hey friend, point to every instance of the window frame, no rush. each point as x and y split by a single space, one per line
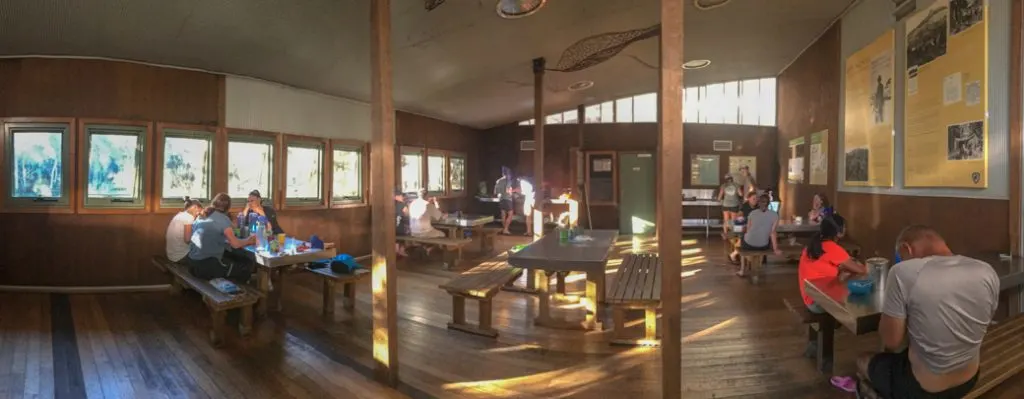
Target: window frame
141 205
259 137
364 164
403 150
66 203
465 168
163 204
446 187
304 203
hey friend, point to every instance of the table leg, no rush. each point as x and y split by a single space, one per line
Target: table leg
350 296
594 286
544 295
262 284
1013 305
278 277
826 350
560 282
328 305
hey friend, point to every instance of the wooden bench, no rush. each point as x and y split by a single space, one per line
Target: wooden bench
480 283
637 286
218 302
752 261
1002 357
330 283
447 244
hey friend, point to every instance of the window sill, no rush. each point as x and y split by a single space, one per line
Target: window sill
303 206
112 211
348 205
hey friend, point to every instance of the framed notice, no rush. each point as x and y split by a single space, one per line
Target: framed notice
704 170
946 129
868 115
736 162
795 167
819 158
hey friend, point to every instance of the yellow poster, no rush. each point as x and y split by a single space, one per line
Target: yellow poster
867 138
946 133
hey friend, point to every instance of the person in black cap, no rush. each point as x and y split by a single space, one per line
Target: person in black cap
254 205
401 221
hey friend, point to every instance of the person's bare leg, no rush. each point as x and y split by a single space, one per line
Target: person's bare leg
529 222
863 361
726 221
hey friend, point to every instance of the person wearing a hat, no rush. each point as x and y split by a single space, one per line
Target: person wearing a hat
730 194
746 181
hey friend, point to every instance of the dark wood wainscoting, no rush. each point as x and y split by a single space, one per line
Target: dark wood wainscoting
968 224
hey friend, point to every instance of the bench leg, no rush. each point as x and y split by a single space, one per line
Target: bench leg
485 315
651 324
175 286
245 321
458 310
350 296
618 322
560 282
217 327
328 299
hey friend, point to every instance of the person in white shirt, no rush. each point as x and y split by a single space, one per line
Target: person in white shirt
179 231
422 214
526 189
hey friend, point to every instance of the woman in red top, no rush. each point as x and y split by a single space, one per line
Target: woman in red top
824 257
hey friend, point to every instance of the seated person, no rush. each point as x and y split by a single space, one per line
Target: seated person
254 206
941 304
824 257
211 235
422 214
401 221
820 209
179 232
759 232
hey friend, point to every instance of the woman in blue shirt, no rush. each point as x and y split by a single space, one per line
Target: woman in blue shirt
211 236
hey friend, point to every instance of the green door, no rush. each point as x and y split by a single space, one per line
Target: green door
636 193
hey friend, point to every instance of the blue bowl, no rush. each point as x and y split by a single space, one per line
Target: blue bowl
860 287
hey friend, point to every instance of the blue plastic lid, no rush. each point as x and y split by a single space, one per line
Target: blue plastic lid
316 242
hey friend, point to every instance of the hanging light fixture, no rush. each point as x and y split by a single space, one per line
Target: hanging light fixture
512 9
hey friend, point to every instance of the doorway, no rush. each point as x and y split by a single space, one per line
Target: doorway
637 176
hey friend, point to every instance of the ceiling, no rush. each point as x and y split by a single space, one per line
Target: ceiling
460 63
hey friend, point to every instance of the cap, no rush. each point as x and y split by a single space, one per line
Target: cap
728 176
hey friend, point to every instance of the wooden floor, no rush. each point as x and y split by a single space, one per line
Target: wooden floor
739 341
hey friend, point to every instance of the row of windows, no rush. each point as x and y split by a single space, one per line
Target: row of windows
115 165
746 102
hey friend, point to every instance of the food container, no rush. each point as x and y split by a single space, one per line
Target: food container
860 286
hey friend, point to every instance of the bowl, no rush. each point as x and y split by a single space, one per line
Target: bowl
860 287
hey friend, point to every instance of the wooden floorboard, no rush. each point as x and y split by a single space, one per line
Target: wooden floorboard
738 342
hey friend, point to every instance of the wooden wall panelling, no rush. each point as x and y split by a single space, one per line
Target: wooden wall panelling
217 179
147 164
71 157
808 102
289 139
419 131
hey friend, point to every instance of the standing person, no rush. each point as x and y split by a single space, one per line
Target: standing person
254 206
401 221
503 190
759 233
212 235
729 196
529 202
179 231
746 180
940 305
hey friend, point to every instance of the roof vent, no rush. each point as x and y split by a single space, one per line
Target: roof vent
722 145
527 145
512 9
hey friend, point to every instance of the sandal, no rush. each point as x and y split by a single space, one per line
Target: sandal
845 384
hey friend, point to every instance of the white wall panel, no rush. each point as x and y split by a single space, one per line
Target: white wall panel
868 20
260 105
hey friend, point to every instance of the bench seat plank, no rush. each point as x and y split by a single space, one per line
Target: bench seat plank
1002 355
439 241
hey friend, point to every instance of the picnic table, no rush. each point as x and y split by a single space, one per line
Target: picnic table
549 255
270 266
861 313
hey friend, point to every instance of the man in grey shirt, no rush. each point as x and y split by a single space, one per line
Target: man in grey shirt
941 304
759 234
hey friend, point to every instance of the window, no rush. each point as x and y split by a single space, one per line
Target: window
750 106
457 177
250 166
526 123
304 173
730 103
115 166
347 184
186 163
691 105
412 169
645 108
608 112
38 165
767 114
624 110
437 175
571 116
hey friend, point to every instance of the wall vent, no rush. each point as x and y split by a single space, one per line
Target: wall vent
526 145
722 145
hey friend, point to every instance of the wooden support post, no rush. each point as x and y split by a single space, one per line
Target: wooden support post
1016 135
538 144
382 185
669 191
